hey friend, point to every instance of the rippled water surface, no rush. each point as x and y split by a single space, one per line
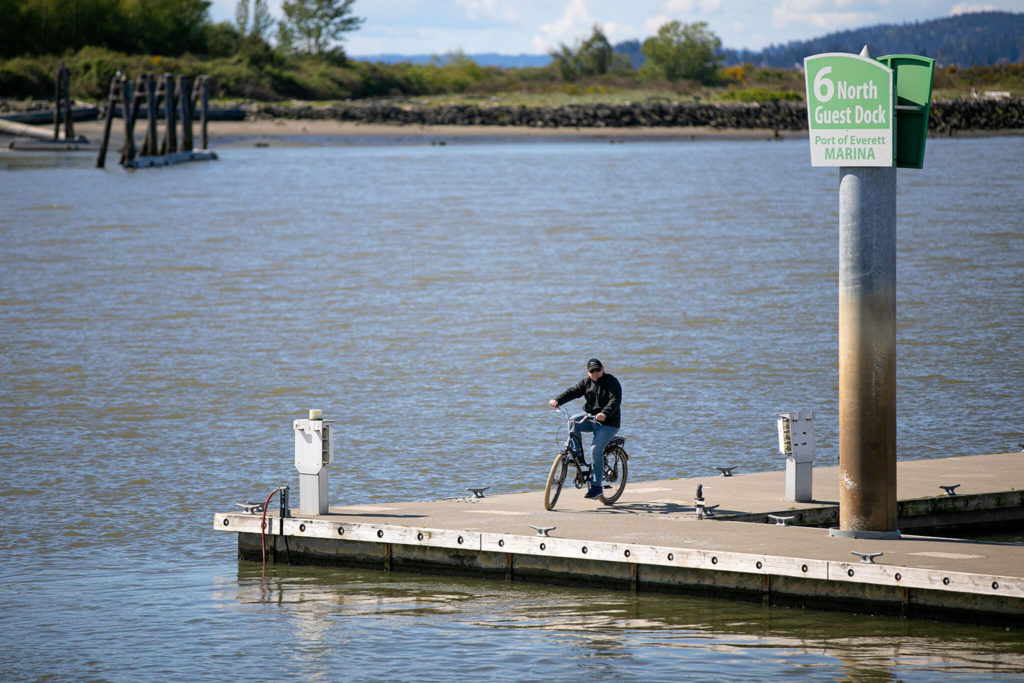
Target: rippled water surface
160 330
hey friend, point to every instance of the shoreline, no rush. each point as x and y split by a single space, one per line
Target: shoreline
302 132
341 123
296 132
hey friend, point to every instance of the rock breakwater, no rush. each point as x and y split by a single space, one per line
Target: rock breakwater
947 117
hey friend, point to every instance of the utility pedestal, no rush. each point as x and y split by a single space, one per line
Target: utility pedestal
796 442
314 450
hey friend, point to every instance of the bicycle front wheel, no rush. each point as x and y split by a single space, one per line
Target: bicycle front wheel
616 470
556 477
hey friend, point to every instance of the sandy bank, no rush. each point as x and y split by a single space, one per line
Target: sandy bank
297 132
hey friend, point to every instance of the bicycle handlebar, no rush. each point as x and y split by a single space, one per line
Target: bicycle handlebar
568 416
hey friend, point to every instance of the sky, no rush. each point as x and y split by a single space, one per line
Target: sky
415 27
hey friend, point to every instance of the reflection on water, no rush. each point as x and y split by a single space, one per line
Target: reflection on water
160 329
522 631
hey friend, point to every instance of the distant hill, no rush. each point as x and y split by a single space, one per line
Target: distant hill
978 39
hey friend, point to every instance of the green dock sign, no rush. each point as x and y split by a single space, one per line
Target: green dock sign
849 110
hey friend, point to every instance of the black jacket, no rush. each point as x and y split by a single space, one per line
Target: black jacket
602 396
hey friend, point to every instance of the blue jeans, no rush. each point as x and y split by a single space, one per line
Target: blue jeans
602 435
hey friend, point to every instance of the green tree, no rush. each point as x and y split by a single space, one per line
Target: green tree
591 57
565 61
315 24
253 21
595 54
167 27
681 51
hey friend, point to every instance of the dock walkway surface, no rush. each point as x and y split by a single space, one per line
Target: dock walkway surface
653 539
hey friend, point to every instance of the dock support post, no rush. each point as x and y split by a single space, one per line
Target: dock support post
184 93
204 100
867 352
150 146
128 112
116 95
62 105
170 145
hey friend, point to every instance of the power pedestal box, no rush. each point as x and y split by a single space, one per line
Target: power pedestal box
796 442
314 450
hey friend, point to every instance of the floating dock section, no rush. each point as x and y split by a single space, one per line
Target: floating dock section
749 544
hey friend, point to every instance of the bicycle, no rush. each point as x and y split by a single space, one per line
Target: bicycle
616 466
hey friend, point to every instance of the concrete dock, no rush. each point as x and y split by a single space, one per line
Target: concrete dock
653 540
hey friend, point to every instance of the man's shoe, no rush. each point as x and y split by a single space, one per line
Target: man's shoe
594 492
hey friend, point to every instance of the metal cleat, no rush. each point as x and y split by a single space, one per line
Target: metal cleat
250 508
950 490
866 558
726 471
780 520
479 493
543 530
709 510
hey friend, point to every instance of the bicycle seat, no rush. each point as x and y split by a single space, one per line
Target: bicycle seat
617 441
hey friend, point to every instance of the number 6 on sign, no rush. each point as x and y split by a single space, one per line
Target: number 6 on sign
823 87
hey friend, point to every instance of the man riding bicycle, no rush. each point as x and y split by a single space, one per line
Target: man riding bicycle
603 396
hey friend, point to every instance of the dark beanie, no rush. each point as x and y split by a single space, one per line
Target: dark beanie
594 364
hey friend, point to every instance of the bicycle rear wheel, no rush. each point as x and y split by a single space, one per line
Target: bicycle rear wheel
616 470
556 477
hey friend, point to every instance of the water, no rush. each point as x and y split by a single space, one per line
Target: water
160 330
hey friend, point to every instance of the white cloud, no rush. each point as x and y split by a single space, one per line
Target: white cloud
970 8
616 32
478 10
677 10
652 24
827 15
574 22
691 6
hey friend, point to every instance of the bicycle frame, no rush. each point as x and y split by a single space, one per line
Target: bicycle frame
576 456
616 465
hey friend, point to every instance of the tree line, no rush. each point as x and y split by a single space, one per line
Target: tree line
172 27
677 52
309 27
300 56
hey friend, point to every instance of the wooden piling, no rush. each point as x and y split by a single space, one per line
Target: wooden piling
203 83
170 145
113 98
62 105
149 146
184 92
127 102
181 91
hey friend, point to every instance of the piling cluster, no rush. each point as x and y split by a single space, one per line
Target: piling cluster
947 117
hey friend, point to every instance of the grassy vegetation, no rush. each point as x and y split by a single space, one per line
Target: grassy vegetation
952 82
258 73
